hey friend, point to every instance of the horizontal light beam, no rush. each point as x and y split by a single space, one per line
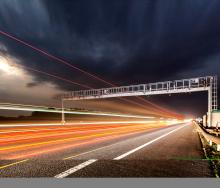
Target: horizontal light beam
8 106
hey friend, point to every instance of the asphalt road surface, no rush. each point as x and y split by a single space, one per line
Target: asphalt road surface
102 150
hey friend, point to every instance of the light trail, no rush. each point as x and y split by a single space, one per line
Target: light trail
19 136
51 56
25 146
174 121
16 147
24 137
59 60
17 133
43 109
161 108
82 85
41 148
146 144
78 123
73 145
46 107
58 77
11 164
52 128
88 87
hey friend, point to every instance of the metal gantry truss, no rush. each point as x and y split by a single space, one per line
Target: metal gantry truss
214 93
207 83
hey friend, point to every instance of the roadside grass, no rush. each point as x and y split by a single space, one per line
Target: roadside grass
212 155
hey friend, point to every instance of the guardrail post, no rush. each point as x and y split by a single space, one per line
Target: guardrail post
218 147
210 138
210 142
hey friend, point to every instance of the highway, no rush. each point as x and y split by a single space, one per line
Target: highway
111 149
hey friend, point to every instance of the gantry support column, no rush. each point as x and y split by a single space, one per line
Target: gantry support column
212 99
209 106
63 114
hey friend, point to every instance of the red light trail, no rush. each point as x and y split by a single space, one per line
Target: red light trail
59 60
88 87
20 145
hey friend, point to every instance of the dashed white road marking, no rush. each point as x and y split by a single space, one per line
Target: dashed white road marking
75 169
104 147
87 163
146 144
71 157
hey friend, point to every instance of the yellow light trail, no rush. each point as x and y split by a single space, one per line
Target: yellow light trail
11 164
45 134
40 152
62 140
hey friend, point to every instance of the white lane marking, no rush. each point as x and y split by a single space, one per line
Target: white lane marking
146 144
77 155
73 156
75 169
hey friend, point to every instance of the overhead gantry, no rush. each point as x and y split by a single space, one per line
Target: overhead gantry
207 83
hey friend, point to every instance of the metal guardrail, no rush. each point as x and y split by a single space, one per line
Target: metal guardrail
210 138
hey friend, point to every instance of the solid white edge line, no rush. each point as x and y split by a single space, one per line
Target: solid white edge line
146 144
75 169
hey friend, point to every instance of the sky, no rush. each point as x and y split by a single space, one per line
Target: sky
125 42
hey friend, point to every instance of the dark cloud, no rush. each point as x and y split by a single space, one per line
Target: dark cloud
31 84
126 42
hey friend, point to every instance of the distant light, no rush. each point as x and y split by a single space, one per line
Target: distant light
187 120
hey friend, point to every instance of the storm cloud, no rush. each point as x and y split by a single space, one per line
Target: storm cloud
126 42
